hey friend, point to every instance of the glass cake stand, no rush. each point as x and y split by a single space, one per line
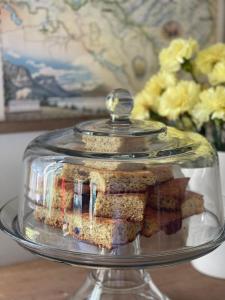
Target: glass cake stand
120 276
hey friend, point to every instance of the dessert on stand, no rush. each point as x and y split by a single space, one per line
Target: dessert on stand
117 195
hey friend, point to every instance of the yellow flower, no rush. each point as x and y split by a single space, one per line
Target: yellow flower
211 105
140 112
217 75
179 99
211 62
177 53
158 83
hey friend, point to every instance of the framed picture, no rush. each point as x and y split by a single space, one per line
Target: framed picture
61 58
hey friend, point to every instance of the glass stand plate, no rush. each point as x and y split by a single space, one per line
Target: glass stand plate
117 277
118 259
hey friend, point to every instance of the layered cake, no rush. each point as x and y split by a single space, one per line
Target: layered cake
108 208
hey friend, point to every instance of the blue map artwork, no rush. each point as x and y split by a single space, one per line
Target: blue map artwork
79 50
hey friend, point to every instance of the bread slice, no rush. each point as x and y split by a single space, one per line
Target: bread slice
115 182
120 206
170 222
167 195
102 232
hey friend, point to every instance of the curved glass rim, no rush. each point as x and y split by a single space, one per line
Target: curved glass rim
167 153
124 128
106 261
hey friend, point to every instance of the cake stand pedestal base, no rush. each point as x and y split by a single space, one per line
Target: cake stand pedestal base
110 284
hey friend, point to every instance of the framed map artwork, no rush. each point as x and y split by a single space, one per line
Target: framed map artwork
62 57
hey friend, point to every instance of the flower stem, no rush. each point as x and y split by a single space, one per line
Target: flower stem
217 134
187 66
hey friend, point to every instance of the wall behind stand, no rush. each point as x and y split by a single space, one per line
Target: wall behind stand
12 147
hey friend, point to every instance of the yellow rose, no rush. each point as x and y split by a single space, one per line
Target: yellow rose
211 105
177 53
211 62
158 83
179 99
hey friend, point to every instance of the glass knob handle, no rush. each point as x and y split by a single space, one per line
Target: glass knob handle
119 104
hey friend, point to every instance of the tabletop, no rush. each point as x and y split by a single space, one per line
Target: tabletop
44 280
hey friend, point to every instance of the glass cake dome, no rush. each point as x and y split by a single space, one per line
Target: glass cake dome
121 188
115 194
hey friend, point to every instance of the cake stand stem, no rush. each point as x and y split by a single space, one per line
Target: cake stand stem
110 284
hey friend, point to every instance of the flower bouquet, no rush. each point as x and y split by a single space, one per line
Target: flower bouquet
188 92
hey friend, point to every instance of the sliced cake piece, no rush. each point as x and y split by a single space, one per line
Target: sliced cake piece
114 165
156 220
170 222
161 173
115 182
61 196
52 217
102 232
105 144
72 172
193 204
120 206
167 195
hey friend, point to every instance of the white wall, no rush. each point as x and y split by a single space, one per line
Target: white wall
12 147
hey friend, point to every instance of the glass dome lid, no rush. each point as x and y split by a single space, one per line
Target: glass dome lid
124 138
121 190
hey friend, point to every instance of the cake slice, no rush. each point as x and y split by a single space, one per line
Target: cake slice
74 172
52 217
167 195
193 204
115 165
170 222
78 196
156 220
120 206
161 172
109 144
115 182
102 232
